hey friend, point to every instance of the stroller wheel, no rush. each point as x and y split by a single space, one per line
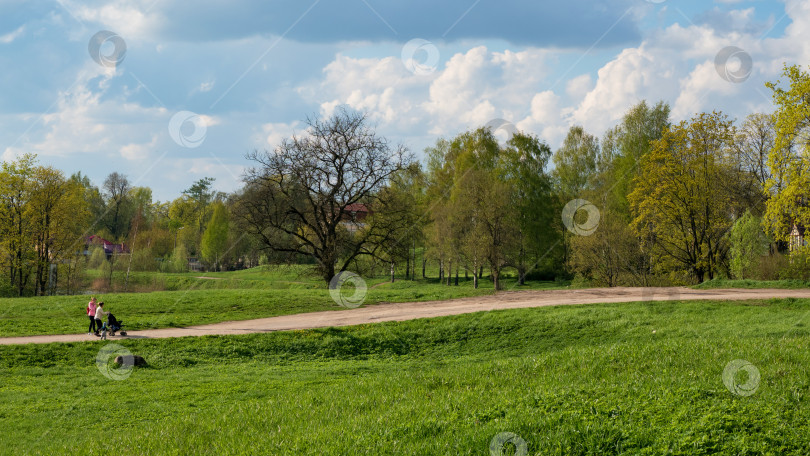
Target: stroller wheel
123 333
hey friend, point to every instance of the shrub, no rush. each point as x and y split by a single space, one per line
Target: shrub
97 258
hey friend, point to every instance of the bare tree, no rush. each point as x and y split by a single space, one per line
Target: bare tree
116 190
310 196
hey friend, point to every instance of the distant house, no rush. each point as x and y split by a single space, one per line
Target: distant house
797 240
354 215
110 248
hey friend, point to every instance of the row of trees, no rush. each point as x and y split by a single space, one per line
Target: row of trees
46 219
685 202
703 198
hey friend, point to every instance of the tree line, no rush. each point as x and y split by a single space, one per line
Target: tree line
662 203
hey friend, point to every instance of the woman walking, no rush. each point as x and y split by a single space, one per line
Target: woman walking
91 313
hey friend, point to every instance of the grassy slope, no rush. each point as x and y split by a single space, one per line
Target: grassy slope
726 283
592 379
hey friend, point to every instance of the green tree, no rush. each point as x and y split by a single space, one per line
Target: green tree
97 258
59 213
623 149
748 244
681 201
789 164
608 255
179 259
116 194
201 195
17 220
215 238
576 162
523 167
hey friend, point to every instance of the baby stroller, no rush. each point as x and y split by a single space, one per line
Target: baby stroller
114 324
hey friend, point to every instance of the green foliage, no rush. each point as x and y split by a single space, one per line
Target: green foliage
179 259
631 141
789 177
798 265
144 260
215 238
748 244
681 203
501 211
97 258
576 162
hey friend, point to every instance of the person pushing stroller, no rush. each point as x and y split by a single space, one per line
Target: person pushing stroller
100 313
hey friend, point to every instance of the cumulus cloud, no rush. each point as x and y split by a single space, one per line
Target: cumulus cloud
675 64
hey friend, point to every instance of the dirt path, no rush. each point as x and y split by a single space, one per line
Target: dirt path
414 310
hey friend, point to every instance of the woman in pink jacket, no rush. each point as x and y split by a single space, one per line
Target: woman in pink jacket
91 313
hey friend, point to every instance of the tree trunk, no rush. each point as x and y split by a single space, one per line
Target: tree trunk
424 262
327 267
131 254
408 265
456 274
413 272
449 272
392 272
475 279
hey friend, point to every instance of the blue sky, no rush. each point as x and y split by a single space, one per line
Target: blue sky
202 83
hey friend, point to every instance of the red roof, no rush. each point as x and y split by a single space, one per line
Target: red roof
109 247
356 207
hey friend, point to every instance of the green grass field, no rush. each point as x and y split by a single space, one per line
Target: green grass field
727 283
638 378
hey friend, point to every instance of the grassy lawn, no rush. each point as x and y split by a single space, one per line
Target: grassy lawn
727 283
638 378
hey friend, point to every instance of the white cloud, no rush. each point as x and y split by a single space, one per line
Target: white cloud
206 86
577 87
129 19
273 133
8 38
134 151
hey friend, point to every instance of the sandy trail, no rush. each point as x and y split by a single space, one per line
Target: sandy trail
427 309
